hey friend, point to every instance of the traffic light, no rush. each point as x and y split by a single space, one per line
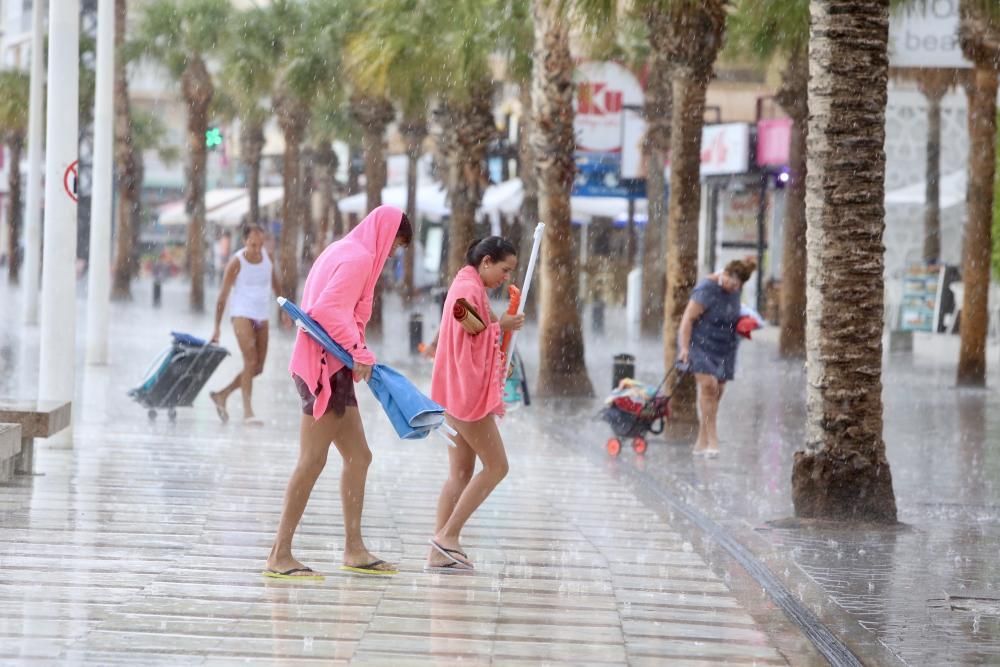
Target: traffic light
213 137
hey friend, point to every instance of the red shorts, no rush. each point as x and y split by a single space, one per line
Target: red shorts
342 393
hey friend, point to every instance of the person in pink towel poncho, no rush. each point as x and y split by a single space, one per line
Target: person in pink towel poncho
468 381
338 294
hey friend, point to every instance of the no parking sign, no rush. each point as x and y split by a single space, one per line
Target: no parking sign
70 179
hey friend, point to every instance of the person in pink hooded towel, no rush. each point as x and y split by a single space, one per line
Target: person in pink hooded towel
338 294
468 381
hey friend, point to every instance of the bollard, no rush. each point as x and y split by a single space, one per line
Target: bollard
157 293
416 332
624 367
597 320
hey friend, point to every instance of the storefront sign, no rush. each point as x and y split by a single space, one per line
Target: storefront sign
725 149
924 33
608 116
774 137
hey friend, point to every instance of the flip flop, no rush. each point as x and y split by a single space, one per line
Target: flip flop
450 568
447 553
220 408
253 421
370 568
290 574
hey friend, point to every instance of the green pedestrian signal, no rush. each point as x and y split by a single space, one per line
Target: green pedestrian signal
213 137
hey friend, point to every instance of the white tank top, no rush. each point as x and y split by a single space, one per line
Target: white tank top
251 295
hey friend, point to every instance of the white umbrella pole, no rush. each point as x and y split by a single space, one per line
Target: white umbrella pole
539 232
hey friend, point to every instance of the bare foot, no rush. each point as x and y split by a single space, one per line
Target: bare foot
220 405
367 560
289 567
444 551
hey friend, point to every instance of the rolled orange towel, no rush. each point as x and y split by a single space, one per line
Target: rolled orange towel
468 317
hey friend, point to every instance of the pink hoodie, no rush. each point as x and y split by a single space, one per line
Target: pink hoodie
468 378
338 294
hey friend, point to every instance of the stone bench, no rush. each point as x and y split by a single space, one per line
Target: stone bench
10 447
37 419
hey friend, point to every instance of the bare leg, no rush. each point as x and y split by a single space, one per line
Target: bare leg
261 334
314 445
708 407
484 439
247 339
316 435
708 390
461 465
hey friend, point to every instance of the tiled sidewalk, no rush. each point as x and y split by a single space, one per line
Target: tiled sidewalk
143 545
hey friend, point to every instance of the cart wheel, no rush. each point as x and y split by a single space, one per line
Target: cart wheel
614 446
151 414
172 415
639 445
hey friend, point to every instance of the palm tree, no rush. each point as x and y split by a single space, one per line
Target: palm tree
562 369
443 49
302 45
766 30
181 35
128 161
248 79
414 130
694 38
979 33
658 110
14 121
843 474
331 120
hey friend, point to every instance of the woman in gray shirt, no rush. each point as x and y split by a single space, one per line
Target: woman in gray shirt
707 344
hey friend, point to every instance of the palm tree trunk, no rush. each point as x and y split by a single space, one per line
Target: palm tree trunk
373 114
326 160
16 145
292 118
128 188
414 131
978 228
308 222
932 212
467 130
689 88
198 90
529 216
843 473
793 97
253 145
658 109
562 368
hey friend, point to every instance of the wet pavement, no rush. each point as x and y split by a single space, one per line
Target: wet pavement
928 590
925 592
142 543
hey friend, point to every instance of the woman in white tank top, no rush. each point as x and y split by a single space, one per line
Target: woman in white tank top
247 286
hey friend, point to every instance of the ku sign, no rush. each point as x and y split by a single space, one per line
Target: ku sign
608 118
924 33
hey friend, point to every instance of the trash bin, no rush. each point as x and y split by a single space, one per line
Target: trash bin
624 367
416 332
157 293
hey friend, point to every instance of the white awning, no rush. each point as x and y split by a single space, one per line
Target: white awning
233 213
173 213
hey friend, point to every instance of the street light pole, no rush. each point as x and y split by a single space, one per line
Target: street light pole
99 269
57 373
33 205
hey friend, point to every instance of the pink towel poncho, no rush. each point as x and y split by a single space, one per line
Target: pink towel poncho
468 378
338 294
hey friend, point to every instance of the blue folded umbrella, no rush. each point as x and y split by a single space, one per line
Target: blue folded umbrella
411 413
